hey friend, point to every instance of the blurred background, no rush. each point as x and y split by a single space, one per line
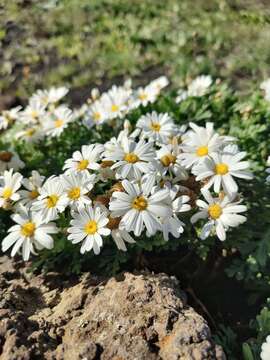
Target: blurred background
86 43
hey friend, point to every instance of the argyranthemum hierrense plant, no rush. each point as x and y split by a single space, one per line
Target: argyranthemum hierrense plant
137 184
139 170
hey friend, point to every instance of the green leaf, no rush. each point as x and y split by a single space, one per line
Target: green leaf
247 353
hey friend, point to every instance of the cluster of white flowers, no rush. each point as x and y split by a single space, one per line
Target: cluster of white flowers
265 353
46 116
139 182
43 116
119 100
197 88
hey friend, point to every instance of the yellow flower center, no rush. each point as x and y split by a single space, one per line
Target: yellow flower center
214 211
131 158
74 193
28 229
58 123
6 156
114 108
30 132
143 96
52 200
202 151
34 114
82 165
168 159
222 169
155 126
33 194
91 227
97 116
7 192
139 203
8 117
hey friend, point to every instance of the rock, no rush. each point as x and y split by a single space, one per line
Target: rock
140 316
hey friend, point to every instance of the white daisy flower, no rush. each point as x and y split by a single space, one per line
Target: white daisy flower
149 93
59 121
159 83
52 199
220 213
34 113
86 159
221 170
8 117
265 349
120 236
115 101
199 86
157 127
265 86
95 115
169 157
76 187
143 96
200 143
10 160
31 134
172 224
9 186
131 159
139 208
111 146
88 226
32 186
80 112
30 234
51 96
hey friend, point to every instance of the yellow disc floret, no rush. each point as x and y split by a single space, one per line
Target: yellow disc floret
74 193
139 203
202 151
143 96
91 227
214 211
7 192
114 108
155 126
33 194
221 169
96 116
168 159
34 114
52 201
82 165
28 229
30 132
58 123
131 158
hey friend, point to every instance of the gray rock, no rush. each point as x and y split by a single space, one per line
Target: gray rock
134 316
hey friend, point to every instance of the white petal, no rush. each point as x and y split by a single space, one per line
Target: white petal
9 240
